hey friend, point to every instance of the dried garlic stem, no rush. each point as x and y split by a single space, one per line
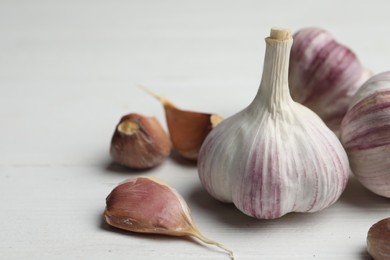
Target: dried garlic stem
195 233
165 102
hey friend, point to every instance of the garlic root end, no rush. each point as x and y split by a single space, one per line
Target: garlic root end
280 34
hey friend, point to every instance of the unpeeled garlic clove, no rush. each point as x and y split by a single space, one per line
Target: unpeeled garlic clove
378 240
147 205
139 142
365 134
324 74
187 129
276 156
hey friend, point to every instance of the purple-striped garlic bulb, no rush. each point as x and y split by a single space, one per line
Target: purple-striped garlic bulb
324 75
365 134
276 156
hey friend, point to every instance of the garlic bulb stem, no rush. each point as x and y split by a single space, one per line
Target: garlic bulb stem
274 83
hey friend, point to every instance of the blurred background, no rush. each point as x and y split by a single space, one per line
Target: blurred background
61 58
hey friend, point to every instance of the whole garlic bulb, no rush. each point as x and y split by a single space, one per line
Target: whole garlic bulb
324 75
365 134
276 156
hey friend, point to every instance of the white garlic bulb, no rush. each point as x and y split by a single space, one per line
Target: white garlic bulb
324 74
365 134
276 156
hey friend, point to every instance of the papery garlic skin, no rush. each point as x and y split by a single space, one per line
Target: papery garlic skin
324 75
187 129
365 134
276 156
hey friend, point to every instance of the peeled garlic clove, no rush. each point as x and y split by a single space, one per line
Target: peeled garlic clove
365 134
378 240
147 205
139 142
324 75
187 129
276 156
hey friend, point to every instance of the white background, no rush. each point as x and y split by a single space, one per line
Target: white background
70 69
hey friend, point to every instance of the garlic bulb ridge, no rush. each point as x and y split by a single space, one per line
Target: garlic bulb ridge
275 156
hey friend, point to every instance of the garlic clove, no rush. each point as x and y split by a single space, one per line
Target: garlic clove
365 134
378 240
324 74
148 205
139 142
187 129
276 156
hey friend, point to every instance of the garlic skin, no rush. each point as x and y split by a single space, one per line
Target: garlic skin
324 75
276 156
365 134
187 129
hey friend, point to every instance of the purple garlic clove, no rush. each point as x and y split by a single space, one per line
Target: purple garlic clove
139 142
147 205
378 240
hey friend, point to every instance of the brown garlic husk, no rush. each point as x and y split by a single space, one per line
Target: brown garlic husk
187 129
378 240
139 142
148 205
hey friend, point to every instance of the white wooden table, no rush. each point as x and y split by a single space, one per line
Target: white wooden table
70 69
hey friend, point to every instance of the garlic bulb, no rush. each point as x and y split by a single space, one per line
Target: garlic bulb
324 75
365 134
276 156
